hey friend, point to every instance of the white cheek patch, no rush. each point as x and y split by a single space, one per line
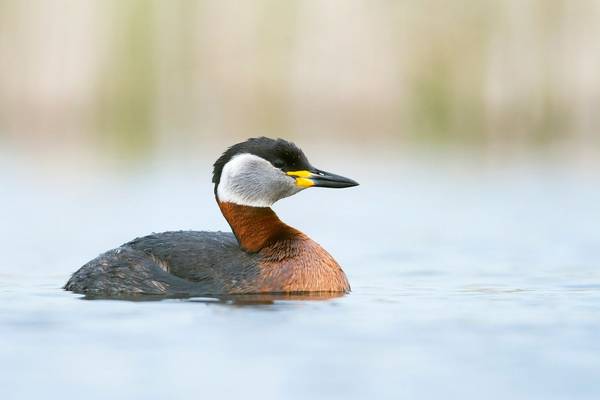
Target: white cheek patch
250 180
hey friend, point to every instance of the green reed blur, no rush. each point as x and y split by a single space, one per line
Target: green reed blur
136 74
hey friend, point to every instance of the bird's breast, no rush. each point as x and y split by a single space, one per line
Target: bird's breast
299 265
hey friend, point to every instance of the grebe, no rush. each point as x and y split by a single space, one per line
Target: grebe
262 255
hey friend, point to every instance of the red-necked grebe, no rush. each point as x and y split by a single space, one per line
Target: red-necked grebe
263 255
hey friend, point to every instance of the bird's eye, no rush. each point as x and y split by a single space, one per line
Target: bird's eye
278 164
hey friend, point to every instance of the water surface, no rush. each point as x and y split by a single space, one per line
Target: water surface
467 283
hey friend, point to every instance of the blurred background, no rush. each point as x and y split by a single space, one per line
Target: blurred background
471 244
133 79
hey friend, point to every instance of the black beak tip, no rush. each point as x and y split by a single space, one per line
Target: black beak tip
352 183
329 180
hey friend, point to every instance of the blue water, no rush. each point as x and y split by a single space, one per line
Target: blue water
469 281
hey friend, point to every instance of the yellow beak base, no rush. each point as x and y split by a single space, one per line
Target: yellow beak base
302 178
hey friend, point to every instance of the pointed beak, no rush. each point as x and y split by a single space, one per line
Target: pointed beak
318 178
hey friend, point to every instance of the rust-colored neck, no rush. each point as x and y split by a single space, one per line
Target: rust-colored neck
256 227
